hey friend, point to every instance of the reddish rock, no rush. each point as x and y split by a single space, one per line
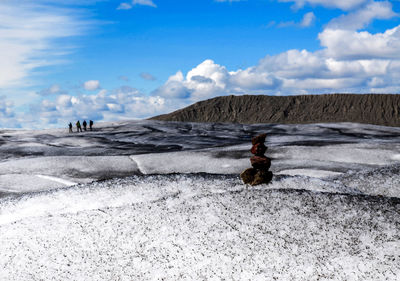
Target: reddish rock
259 173
260 162
258 139
258 149
254 177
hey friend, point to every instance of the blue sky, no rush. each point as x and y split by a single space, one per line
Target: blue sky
105 60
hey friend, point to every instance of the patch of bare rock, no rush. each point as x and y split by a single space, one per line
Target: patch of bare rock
378 109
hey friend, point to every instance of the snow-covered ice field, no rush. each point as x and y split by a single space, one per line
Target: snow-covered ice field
149 200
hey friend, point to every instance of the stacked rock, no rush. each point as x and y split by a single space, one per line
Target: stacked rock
259 173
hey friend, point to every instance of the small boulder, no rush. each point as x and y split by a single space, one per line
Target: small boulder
259 174
258 149
262 176
260 162
254 177
247 175
258 139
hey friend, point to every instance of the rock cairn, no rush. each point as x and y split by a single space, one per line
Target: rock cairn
259 173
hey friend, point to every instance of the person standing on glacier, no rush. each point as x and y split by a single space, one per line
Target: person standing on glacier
84 125
70 127
78 126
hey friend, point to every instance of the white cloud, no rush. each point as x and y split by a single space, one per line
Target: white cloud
209 79
340 4
346 44
308 19
349 61
144 3
128 6
121 103
174 88
27 38
147 76
124 6
364 16
293 64
91 85
52 90
125 90
283 24
7 114
6 107
250 79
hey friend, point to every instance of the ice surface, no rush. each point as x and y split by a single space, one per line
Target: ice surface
330 213
189 162
320 161
22 175
198 227
128 138
21 183
383 181
126 148
62 181
308 172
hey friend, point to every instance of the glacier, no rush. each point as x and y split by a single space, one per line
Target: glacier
151 200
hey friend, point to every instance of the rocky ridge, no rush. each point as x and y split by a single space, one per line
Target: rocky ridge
377 109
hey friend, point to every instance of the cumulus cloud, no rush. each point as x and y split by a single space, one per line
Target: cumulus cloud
91 85
174 88
6 107
209 79
122 103
350 61
364 16
147 76
8 118
346 44
52 90
125 90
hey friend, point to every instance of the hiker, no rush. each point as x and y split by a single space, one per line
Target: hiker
84 125
90 124
70 127
78 126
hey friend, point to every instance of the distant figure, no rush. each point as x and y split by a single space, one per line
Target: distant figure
84 124
70 127
78 126
90 124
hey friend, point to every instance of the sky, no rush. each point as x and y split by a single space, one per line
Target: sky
64 60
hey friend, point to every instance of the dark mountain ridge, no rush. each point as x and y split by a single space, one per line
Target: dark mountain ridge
377 109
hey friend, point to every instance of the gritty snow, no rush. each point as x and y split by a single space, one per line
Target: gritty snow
198 227
163 201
